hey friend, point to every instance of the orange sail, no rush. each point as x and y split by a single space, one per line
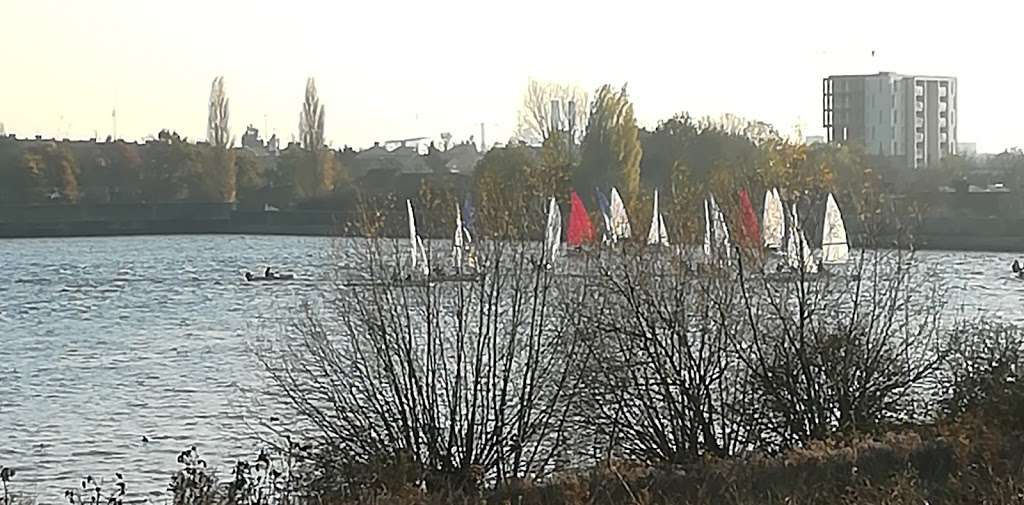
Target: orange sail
751 236
581 231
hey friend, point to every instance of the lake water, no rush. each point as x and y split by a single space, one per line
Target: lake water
106 340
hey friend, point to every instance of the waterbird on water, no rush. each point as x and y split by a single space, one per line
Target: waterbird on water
145 439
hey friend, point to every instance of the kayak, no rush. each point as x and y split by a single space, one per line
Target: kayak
274 277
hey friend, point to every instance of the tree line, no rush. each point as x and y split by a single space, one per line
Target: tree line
567 139
170 168
684 157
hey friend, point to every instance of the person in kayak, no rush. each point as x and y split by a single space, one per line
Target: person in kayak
268 274
1016 266
248 276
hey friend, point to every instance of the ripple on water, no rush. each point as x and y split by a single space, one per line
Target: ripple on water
110 339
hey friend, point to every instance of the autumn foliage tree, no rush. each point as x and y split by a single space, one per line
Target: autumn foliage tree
42 173
611 147
314 174
216 180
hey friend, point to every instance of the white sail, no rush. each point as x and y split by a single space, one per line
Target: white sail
721 230
457 240
417 253
834 246
716 233
663 236
658 234
552 233
413 251
619 220
772 220
798 251
424 265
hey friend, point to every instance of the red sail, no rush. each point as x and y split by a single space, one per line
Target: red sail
751 238
580 229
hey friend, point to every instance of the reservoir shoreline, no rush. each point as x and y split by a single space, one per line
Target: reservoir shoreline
962 233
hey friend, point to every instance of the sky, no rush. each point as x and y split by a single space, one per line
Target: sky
399 69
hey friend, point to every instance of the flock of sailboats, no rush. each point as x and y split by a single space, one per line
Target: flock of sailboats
780 233
784 234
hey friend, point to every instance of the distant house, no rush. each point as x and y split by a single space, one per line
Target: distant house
402 160
462 158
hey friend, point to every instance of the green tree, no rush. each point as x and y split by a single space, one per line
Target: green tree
504 206
10 157
168 168
213 174
28 179
611 146
43 173
126 169
250 176
666 148
63 172
550 175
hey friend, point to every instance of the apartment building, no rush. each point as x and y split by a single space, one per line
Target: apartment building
908 117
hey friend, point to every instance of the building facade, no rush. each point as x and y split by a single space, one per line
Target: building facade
911 118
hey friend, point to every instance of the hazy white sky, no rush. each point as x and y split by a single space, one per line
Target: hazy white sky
392 69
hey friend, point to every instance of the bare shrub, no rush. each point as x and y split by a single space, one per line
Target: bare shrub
983 373
444 385
665 381
839 352
721 360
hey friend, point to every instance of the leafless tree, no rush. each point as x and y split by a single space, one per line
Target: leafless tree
537 120
828 353
311 120
218 133
664 384
458 382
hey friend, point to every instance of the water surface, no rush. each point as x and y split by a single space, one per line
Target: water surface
106 340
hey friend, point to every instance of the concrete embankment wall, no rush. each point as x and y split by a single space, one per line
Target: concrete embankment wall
949 233
159 219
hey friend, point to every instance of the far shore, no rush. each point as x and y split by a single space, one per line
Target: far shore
995 244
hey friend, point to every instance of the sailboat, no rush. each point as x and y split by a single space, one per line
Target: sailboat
773 221
418 254
581 230
657 235
619 220
716 233
552 234
458 241
469 229
835 249
751 238
799 256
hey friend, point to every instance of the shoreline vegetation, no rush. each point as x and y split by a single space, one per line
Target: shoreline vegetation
625 376
170 184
